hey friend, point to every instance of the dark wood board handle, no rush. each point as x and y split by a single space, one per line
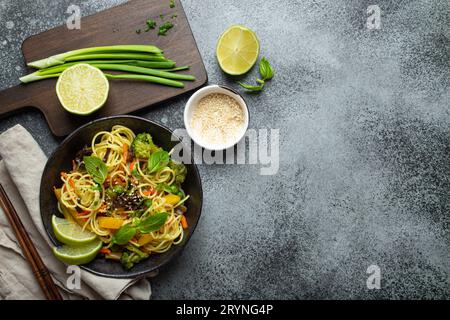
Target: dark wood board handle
110 27
19 97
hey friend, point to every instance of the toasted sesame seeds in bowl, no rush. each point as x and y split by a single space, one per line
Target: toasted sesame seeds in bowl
216 117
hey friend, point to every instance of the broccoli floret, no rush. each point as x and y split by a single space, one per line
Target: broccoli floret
126 261
143 146
180 171
129 259
140 254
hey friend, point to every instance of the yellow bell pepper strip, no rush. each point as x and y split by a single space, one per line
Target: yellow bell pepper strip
110 223
144 239
172 199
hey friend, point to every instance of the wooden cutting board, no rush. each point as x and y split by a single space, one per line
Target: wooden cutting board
117 25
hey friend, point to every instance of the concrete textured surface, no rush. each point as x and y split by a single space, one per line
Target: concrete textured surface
364 148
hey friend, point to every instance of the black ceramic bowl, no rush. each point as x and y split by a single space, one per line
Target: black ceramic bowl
61 160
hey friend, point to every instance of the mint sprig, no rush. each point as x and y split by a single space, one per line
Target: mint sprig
150 224
266 72
96 168
157 161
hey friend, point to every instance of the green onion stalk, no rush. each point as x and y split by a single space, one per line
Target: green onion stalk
147 71
163 81
118 49
152 79
117 56
140 62
56 71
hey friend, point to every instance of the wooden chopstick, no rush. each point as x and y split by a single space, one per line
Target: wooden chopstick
34 259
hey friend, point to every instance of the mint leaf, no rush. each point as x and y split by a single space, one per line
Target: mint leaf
96 168
157 161
265 69
124 234
153 223
172 4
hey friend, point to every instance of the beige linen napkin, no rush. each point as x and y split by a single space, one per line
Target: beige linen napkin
20 174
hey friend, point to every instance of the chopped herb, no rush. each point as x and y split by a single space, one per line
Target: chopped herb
161 16
172 3
174 15
151 24
164 28
138 31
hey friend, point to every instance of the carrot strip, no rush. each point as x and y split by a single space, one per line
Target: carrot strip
132 165
125 152
148 192
85 212
184 223
72 183
105 251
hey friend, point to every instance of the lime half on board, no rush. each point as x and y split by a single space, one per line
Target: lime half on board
237 50
82 89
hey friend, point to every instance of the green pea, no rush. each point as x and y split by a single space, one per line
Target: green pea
174 189
118 189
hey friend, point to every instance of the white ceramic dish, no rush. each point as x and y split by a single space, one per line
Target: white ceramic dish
194 100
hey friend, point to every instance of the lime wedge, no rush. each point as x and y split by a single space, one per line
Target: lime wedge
82 89
237 50
78 255
71 233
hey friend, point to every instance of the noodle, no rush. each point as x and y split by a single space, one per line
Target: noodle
125 194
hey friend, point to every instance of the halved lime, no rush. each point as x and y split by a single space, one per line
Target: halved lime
237 50
71 233
79 254
82 89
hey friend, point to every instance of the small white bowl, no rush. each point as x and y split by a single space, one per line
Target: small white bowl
194 100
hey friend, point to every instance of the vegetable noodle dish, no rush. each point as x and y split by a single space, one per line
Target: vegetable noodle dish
127 191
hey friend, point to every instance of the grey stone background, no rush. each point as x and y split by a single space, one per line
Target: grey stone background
365 163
